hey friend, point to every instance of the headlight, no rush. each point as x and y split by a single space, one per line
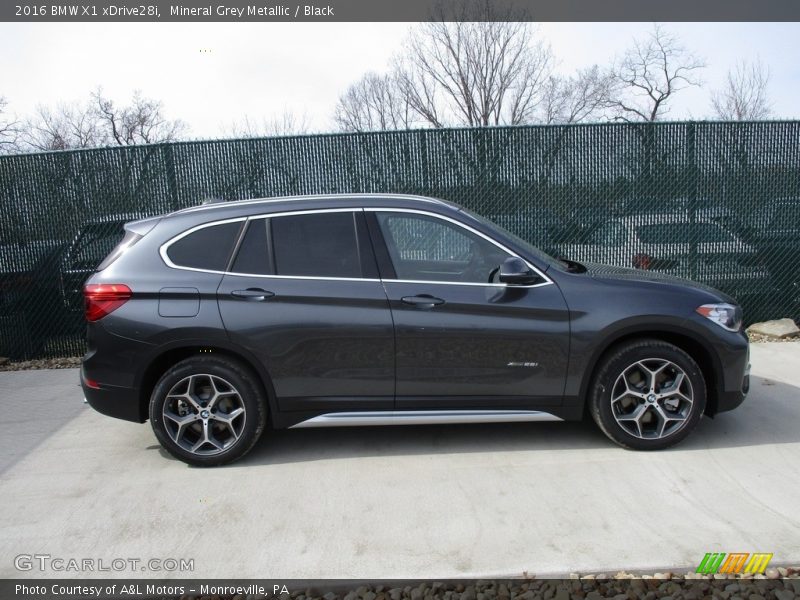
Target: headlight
725 315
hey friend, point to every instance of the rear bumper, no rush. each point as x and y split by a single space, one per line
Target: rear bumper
114 401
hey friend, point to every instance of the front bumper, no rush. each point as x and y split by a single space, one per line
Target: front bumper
729 399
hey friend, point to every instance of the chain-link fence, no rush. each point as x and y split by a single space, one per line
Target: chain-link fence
714 202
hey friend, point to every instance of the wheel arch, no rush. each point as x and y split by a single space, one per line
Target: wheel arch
170 355
684 339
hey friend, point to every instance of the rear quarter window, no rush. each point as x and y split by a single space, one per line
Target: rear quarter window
208 248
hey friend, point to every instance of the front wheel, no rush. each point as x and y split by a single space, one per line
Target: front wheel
207 411
647 395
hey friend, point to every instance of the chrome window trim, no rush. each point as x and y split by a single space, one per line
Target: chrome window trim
162 250
165 247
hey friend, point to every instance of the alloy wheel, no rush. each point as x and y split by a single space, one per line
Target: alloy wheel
204 414
652 398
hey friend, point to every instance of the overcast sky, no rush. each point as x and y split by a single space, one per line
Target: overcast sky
259 70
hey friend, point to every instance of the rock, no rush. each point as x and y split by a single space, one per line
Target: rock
784 594
369 596
779 329
3 360
755 597
562 594
783 571
395 593
772 574
733 587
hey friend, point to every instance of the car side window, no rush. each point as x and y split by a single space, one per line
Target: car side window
609 234
317 245
425 248
208 248
254 256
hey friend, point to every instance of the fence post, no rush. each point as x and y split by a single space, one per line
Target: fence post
691 149
172 180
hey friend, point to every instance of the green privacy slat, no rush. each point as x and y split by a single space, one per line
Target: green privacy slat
719 202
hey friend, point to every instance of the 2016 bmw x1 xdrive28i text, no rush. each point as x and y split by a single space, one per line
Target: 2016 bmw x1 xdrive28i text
215 321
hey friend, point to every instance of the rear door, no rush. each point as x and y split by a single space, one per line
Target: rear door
303 295
463 341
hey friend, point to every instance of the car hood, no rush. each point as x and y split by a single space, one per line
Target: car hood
609 272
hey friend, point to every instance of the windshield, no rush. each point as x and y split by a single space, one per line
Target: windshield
522 243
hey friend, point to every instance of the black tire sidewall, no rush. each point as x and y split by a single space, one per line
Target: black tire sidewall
240 378
610 369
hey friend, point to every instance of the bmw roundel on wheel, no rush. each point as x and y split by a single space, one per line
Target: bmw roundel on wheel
222 321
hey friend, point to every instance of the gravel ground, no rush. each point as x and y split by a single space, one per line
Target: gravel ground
64 362
756 338
779 584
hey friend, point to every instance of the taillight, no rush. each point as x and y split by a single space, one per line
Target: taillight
102 299
642 261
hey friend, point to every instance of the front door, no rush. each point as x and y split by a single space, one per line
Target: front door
462 341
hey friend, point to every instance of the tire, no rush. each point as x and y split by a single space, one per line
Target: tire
636 415
208 411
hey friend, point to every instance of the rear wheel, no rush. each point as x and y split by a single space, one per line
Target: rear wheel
647 395
207 411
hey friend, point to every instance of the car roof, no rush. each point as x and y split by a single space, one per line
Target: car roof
287 202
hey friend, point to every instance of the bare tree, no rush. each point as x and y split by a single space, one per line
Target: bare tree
576 98
9 129
744 96
284 124
649 75
373 103
63 127
474 73
100 122
141 122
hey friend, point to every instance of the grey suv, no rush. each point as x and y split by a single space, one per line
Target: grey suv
219 321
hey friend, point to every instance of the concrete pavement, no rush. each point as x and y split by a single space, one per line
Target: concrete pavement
435 501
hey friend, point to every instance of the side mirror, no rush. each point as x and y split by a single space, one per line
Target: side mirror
515 271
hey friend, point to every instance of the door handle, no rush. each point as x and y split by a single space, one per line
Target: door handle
422 301
253 294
